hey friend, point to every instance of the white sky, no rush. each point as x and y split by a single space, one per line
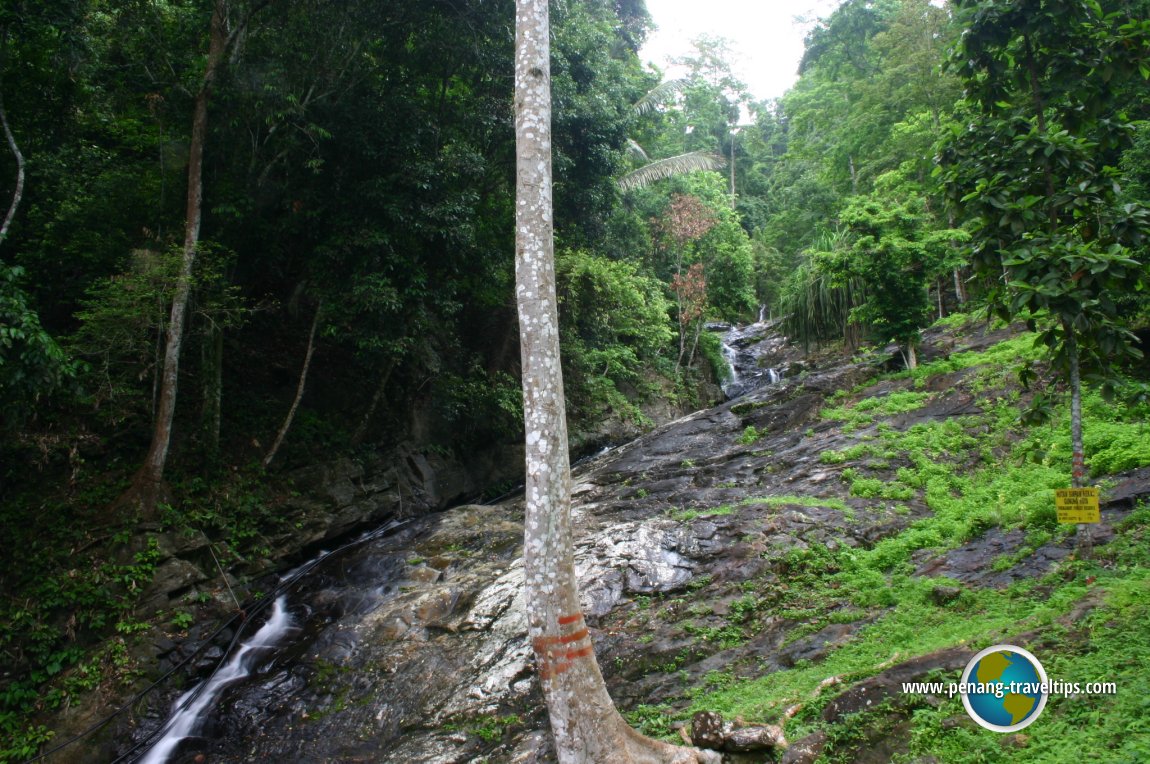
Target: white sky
766 35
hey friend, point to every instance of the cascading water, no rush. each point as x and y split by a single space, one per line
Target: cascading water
732 382
746 349
189 710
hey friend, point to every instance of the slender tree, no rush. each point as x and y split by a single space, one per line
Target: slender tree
1033 171
18 193
585 724
147 487
300 386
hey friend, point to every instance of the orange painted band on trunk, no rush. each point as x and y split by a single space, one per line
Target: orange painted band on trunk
575 637
549 672
582 652
553 665
567 620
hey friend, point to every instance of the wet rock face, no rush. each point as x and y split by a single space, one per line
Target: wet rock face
758 355
331 500
412 647
409 644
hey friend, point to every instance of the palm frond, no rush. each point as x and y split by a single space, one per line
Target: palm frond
658 94
817 309
669 167
637 150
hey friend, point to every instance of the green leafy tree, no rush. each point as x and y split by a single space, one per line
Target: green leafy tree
730 263
890 248
32 364
614 322
1032 168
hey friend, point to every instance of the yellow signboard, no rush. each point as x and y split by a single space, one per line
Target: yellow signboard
1077 505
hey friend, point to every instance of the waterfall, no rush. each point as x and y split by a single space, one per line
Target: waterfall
762 313
732 381
189 710
773 376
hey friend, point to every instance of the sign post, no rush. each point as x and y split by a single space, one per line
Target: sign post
1077 505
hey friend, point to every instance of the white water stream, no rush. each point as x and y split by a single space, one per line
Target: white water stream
188 711
744 373
729 354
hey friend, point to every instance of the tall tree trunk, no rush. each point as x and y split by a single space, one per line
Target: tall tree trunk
1078 450
147 488
910 356
213 385
732 170
959 285
18 194
300 386
682 331
695 341
361 430
585 724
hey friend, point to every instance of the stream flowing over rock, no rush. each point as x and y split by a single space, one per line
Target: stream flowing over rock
411 647
756 354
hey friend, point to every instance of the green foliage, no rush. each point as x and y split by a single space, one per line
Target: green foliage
770 501
725 636
892 250
873 488
798 501
1032 169
818 307
492 728
403 230
730 271
182 619
847 454
863 412
685 515
60 603
20 742
614 323
32 365
653 721
123 320
751 435
711 348
481 406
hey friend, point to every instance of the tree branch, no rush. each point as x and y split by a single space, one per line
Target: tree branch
19 193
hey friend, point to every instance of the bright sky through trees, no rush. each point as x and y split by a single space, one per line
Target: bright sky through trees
766 35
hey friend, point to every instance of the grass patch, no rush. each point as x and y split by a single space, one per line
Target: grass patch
799 501
683 515
1004 358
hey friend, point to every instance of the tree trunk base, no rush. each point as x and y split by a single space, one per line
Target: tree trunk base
142 498
640 749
